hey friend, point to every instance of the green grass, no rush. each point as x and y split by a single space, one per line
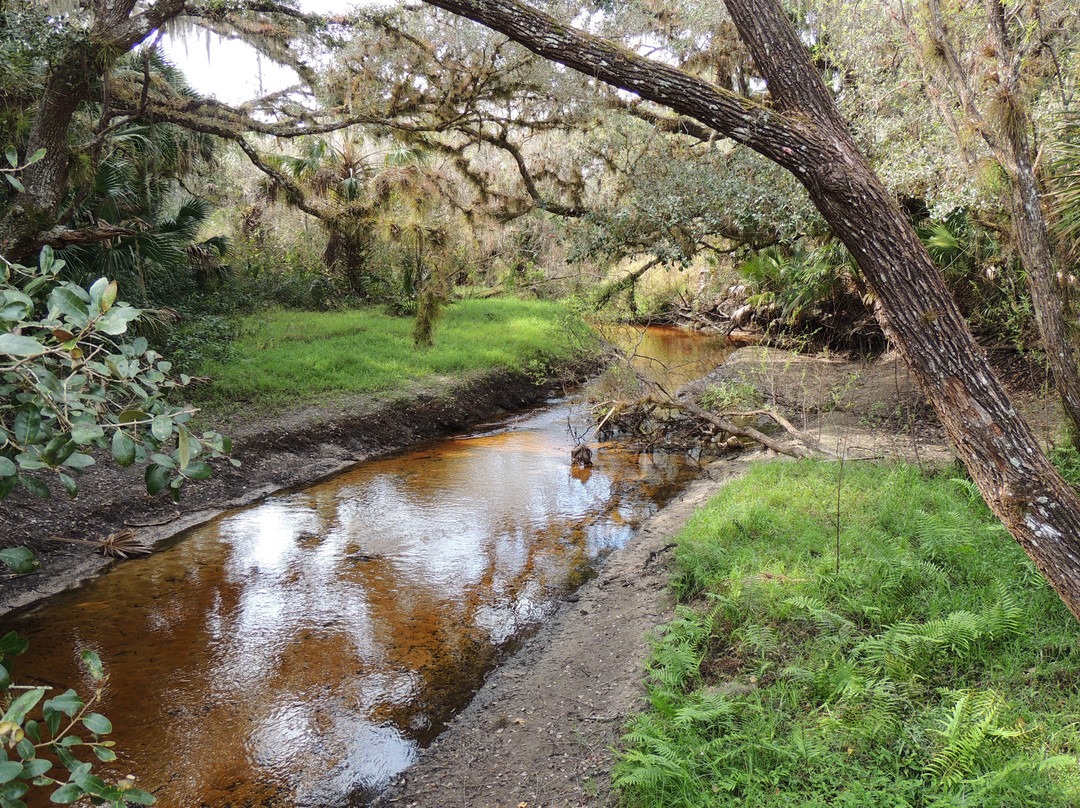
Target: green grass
937 668
288 357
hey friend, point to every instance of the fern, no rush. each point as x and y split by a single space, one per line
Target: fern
938 539
655 772
969 735
824 619
906 576
1006 617
711 709
905 651
967 485
763 640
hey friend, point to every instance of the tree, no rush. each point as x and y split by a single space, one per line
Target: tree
70 51
520 136
70 383
982 66
803 131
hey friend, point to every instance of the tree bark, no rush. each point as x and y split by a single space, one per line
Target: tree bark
1008 141
1029 222
804 132
33 211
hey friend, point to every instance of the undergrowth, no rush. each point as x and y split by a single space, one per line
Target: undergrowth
936 668
289 357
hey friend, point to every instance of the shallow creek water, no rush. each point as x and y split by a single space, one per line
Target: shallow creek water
300 651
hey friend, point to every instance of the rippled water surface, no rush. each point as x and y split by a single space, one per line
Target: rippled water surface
300 651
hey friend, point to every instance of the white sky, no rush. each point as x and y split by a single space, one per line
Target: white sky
232 71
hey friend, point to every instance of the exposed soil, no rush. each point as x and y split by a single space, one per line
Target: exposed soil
542 730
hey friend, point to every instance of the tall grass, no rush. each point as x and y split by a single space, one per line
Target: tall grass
937 668
288 357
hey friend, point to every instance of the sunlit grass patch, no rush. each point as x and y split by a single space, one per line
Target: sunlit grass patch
934 668
287 357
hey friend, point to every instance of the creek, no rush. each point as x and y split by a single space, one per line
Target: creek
300 651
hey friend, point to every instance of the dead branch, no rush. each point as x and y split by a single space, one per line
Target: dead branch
805 445
656 401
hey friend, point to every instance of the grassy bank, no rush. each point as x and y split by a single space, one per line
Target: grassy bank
935 668
283 358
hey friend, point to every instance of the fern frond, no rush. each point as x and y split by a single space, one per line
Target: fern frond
710 710
824 618
968 734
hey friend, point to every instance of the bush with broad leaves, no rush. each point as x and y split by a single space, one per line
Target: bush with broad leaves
65 729
70 383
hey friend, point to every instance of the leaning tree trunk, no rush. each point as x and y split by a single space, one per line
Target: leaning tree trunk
805 133
1029 222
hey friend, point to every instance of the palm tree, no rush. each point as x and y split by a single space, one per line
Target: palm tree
388 198
132 181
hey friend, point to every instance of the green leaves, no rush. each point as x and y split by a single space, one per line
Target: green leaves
64 300
20 561
123 449
67 793
97 724
198 471
157 479
11 644
18 345
27 425
161 427
115 321
22 705
68 383
93 665
65 720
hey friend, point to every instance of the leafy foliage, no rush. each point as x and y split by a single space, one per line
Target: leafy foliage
71 385
812 293
729 394
984 278
41 741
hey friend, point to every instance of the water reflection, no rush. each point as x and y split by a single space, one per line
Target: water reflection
301 650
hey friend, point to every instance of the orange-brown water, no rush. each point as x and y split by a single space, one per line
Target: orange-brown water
298 652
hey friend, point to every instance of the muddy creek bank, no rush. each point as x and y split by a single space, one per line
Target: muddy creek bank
300 651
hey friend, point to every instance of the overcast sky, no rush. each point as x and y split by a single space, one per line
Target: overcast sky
232 71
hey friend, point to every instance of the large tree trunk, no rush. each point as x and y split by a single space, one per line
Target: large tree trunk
805 133
34 210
